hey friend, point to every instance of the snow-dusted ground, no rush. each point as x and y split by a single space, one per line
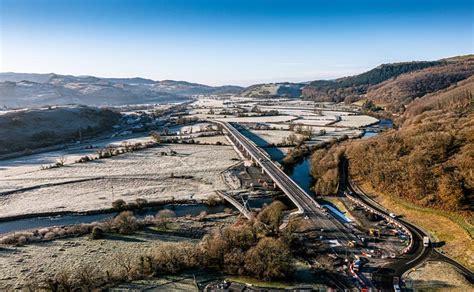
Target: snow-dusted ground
213 140
274 136
356 121
198 127
208 102
265 119
316 121
35 161
316 139
143 174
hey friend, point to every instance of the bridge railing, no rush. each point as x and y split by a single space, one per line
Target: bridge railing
237 136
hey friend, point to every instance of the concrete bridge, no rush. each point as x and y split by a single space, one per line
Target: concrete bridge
302 200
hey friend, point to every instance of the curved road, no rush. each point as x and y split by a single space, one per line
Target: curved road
333 228
415 257
306 204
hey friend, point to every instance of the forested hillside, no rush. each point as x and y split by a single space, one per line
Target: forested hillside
398 92
428 161
30 129
354 87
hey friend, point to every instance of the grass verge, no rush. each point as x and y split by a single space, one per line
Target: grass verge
259 283
341 206
455 232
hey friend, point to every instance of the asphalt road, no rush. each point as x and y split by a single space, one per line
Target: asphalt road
384 276
334 230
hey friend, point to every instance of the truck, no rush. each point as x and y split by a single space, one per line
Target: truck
357 264
396 284
426 241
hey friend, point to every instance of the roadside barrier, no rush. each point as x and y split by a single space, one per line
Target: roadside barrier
387 218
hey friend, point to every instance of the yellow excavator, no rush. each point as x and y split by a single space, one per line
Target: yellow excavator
374 232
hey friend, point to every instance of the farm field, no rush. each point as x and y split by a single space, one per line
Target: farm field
154 174
356 121
26 264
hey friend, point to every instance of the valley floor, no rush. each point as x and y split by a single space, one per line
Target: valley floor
176 171
32 263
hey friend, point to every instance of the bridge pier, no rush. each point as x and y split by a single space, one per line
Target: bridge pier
248 149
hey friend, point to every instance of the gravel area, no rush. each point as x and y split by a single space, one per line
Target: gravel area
437 276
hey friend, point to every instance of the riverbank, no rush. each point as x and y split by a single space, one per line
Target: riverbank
167 172
27 222
26 266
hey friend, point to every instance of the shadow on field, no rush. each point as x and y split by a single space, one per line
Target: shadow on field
122 238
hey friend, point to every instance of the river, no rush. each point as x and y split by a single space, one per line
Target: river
180 210
300 173
42 222
374 130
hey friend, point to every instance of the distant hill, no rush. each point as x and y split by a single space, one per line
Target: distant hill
398 92
284 89
427 161
460 58
353 88
34 90
29 129
33 77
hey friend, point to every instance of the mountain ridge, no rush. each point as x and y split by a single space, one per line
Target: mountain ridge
37 89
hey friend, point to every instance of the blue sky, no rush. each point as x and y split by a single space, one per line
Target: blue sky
228 42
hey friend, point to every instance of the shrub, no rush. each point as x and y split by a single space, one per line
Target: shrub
125 223
212 200
165 213
272 215
141 202
97 232
269 259
119 204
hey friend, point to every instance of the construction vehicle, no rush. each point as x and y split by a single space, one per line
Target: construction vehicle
374 232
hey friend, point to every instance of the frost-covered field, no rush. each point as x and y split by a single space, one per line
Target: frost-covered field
265 119
34 162
198 127
213 140
208 102
144 174
316 121
356 121
38 261
274 136
330 135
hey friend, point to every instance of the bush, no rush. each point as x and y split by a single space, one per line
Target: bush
269 259
272 215
212 200
125 223
119 204
163 217
97 233
165 213
141 202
